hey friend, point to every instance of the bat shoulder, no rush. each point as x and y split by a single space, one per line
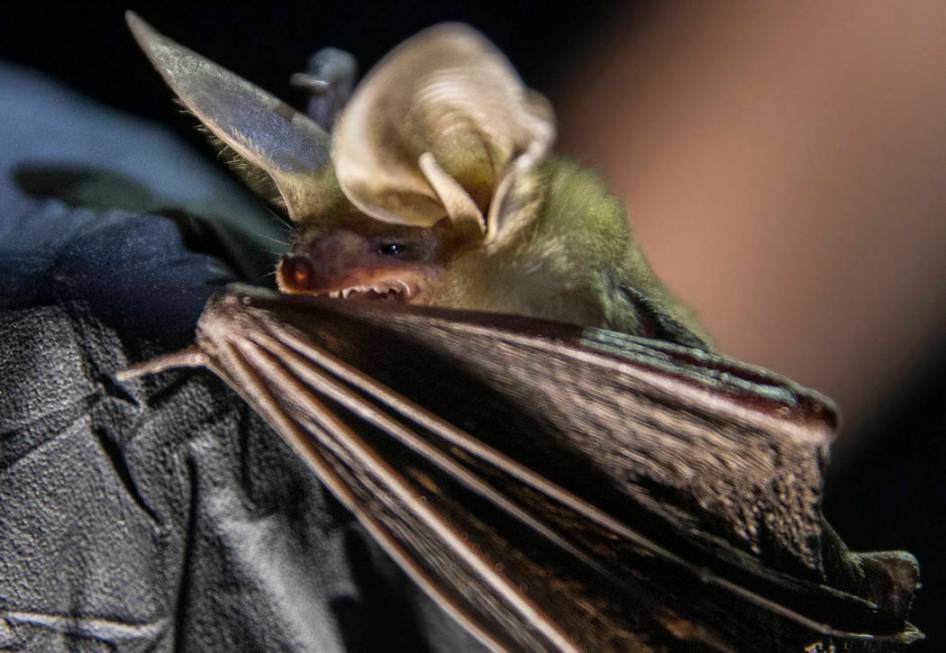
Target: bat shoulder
588 226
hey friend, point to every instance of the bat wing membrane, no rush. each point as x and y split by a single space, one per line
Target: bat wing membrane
550 527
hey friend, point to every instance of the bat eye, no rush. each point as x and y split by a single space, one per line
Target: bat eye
392 249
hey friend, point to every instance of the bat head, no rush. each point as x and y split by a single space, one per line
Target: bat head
433 155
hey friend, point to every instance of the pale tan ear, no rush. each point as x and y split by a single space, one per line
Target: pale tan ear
517 198
436 127
266 132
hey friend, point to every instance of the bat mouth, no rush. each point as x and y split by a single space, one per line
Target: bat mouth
295 276
395 290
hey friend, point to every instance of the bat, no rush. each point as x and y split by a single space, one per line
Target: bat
436 186
558 488
551 486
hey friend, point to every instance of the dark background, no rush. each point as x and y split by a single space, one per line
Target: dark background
88 45
885 488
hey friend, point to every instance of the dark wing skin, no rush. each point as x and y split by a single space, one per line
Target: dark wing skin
557 488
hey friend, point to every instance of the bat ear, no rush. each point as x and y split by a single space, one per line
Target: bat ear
266 133
443 126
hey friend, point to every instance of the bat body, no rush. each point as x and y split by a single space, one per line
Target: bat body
553 487
436 186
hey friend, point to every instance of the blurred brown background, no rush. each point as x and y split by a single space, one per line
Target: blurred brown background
785 167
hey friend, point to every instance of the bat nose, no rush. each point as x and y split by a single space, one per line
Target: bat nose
296 273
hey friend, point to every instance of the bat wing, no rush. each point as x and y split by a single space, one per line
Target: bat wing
557 488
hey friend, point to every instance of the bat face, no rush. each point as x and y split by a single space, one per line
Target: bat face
365 259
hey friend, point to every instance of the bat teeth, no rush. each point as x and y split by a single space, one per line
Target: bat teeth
393 291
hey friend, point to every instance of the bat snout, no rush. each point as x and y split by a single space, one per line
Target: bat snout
295 274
